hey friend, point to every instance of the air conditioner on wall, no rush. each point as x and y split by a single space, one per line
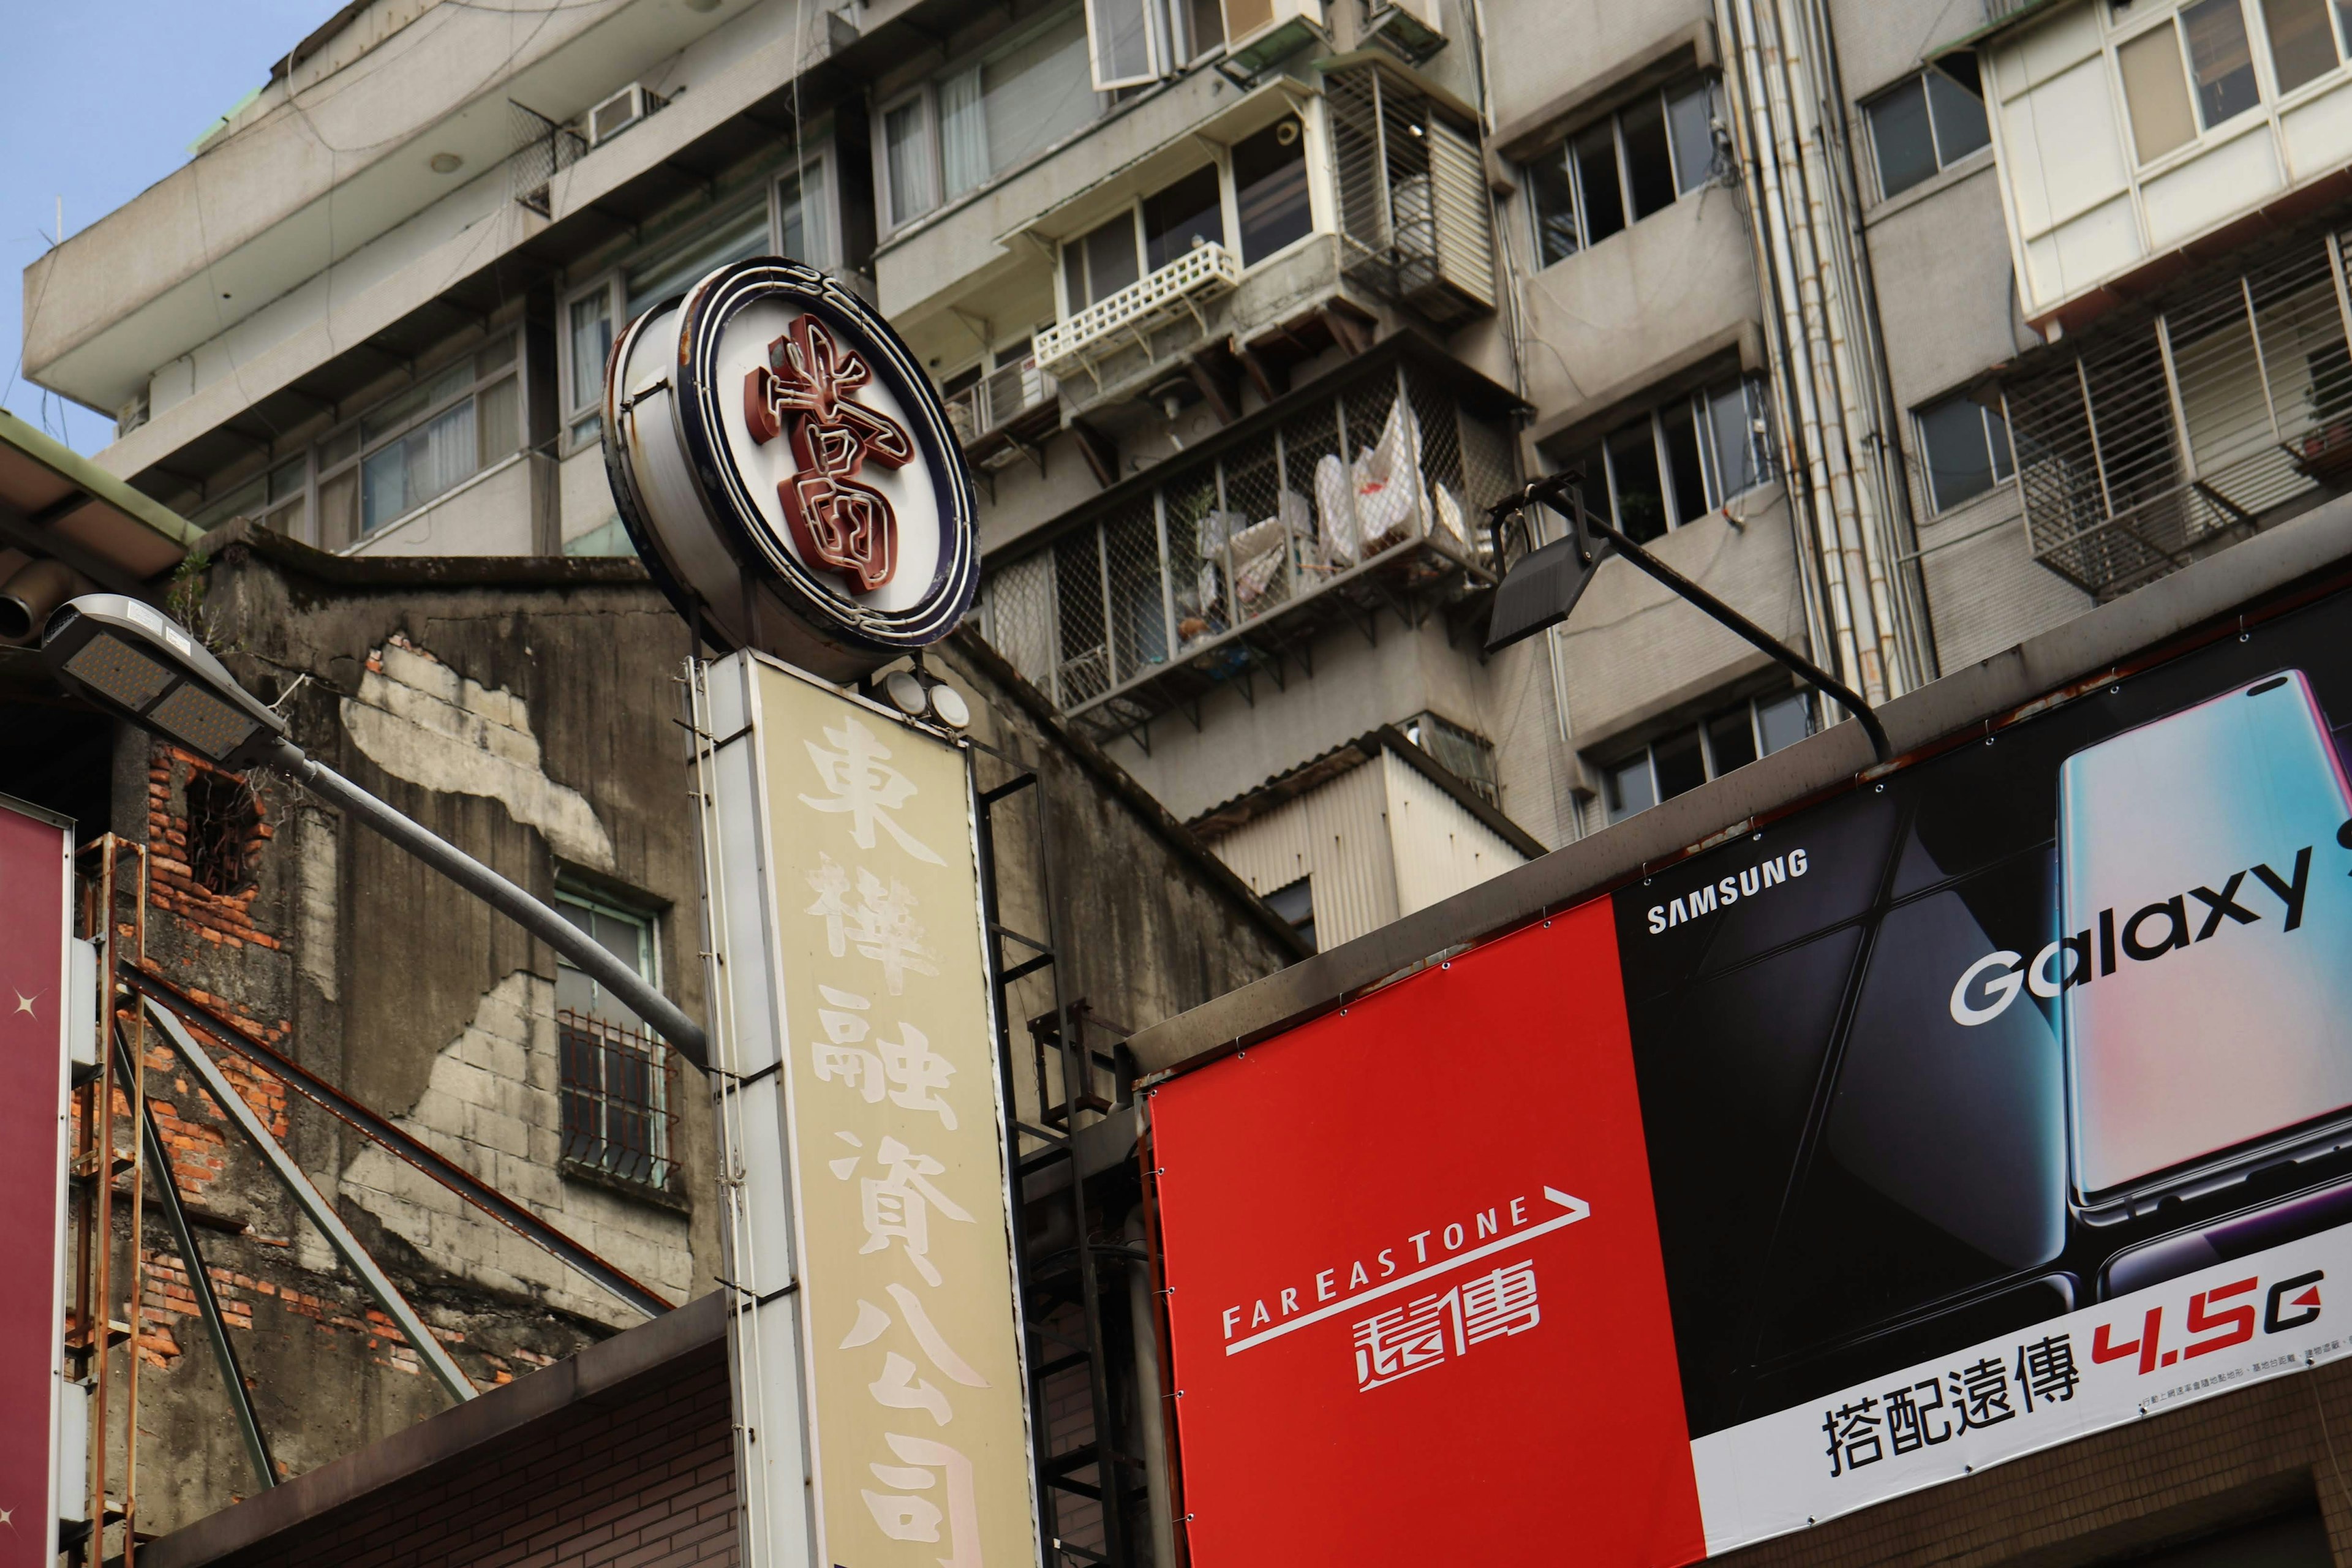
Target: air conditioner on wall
1259 32
623 110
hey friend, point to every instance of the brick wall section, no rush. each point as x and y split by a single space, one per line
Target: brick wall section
646 1480
2229 1459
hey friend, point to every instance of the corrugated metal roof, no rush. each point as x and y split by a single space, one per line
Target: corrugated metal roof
55 502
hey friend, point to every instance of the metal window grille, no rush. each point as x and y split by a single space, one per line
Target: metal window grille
543 149
1414 220
1222 560
619 1091
2189 426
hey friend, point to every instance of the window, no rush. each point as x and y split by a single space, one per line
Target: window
2219 60
2302 39
588 344
1467 754
906 159
1126 51
2196 70
1270 189
1928 123
1176 218
672 264
1966 448
279 498
1144 237
1637 162
987 114
614 1073
1673 464
223 825
419 444
1689 755
2156 93
1294 902
803 232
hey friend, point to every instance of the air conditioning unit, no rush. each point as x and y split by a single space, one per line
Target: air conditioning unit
620 112
1259 32
1445 239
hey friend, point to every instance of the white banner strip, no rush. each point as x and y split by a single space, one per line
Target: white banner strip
2204 1334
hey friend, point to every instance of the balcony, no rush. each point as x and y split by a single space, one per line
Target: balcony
1005 414
1361 494
1158 299
2189 424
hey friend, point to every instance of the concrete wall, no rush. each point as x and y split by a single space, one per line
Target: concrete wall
1633 652
525 711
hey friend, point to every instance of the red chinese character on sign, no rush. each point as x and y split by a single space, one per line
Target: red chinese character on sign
805 390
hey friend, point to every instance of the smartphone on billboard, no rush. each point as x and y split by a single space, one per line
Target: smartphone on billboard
2204 961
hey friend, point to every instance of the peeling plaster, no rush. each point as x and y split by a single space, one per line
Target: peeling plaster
418 720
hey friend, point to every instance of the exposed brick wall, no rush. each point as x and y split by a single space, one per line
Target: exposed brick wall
646 1480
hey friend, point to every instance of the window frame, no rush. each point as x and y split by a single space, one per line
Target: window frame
1562 152
1005 42
2270 103
2000 457
321 474
1869 107
1156 46
1703 723
885 187
1698 400
818 218
572 420
657 1108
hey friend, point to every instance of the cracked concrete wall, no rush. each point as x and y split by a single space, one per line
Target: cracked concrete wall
492 1105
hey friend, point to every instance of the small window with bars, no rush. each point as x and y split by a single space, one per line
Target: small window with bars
617 1080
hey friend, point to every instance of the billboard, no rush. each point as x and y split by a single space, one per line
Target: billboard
36 881
877 1345
1994 1102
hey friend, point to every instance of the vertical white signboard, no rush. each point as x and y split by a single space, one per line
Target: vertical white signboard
877 1334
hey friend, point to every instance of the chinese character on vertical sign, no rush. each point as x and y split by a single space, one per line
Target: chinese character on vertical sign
807 391
860 784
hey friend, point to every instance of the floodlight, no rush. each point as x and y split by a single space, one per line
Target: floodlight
127 659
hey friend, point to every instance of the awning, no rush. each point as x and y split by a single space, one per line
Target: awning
58 505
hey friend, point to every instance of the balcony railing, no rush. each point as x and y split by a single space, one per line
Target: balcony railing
1130 316
1370 497
992 416
2172 433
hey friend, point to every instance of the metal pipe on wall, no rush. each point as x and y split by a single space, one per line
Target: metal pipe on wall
1801 433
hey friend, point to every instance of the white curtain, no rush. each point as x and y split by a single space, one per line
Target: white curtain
441 454
963 132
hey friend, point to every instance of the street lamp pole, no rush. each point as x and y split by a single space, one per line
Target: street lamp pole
125 657
1544 585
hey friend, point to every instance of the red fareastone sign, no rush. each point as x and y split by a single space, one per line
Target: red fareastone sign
1418 1310
35 882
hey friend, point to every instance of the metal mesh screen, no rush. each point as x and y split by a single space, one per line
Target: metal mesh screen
1136 582
2175 429
1388 210
1082 666
1390 475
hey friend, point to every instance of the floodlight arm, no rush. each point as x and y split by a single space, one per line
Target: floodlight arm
495 890
1556 489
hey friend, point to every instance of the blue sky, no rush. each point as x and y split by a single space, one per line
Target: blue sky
101 98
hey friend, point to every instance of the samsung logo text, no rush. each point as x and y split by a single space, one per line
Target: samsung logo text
1730 890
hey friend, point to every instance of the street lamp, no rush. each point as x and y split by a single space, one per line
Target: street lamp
1544 585
128 659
